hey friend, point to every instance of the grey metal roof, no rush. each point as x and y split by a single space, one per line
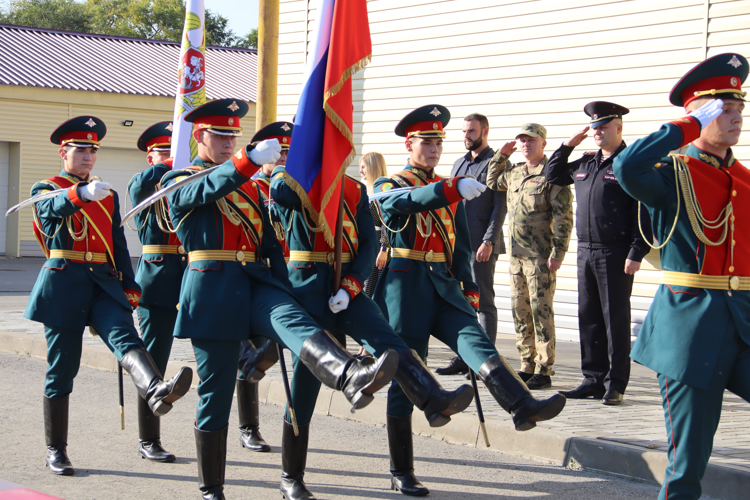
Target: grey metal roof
34 57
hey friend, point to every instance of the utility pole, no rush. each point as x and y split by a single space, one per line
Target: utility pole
268 62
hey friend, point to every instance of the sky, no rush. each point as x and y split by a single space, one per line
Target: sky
242 14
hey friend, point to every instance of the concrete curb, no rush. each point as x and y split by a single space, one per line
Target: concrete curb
596 455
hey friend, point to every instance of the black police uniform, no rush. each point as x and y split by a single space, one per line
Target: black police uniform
608 234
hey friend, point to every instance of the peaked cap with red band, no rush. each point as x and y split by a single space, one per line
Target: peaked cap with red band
221 117
80 132
719 77
282 131
427 122
158 136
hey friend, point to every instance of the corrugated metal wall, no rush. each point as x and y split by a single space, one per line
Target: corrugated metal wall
523 61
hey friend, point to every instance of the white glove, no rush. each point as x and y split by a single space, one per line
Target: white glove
339 302
470 188
708 112
268 151
95 191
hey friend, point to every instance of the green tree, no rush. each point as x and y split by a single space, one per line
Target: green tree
249 41
66 15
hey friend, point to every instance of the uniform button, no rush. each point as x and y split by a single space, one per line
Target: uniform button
244 247
733 242
91 268
433 235
731 269
733 218
734 192
93 237
430 268
178 306
183 258
729 292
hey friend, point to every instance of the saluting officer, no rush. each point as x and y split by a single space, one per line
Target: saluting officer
237 284
610 251
87 280
696 335
347 312
430 272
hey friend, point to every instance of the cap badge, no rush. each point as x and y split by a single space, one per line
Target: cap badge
169 139
169 127
89 136
735 62
733 82
233 106
91 123
434 126
435 112
230 121
594 117
527 127
285 128
284 140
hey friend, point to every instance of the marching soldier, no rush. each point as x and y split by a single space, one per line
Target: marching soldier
540 222
87 280
696 335
347 312
429 269
237 283
610 251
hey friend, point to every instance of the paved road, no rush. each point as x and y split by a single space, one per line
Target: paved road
347 459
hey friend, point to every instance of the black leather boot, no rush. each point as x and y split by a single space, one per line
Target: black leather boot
337 369
248 407
149 434
401 450
159 394
422 389
293 461
56 435
255 362
514 397
212 462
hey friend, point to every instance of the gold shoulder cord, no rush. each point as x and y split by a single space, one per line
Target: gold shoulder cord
684 182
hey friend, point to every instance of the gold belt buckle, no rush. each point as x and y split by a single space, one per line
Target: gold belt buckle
181 250
429 256
240 256
331 258
734 283
88 256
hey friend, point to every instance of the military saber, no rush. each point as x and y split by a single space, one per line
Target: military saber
34 199
480 413
285 377
384 194
122 398
163 192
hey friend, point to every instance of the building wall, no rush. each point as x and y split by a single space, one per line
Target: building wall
522 61
30 115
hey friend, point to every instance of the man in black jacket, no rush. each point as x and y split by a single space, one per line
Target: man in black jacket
485 215
610 250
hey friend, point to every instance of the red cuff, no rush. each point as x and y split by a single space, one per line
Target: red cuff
690 128
352 285
450 190
244 165
472 298
133 297
73 195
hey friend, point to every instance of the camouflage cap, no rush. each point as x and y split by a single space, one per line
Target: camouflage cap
532 130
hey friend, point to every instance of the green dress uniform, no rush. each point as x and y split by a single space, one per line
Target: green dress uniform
87 280
237 283
696 335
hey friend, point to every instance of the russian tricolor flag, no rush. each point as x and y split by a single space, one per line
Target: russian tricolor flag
322 143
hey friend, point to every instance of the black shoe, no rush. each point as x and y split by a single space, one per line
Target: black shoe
401 450
212 462
149 434
584 391
539 382
56 435
152 450
293 462
422 389
525 376
612 397
455 367
248 407
514 396
159 393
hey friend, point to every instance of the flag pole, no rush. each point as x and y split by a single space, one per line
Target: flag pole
337 240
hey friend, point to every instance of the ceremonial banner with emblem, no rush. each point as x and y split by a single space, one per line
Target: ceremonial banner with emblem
322 142
191 90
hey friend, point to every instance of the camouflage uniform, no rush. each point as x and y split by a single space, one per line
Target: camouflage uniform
540 220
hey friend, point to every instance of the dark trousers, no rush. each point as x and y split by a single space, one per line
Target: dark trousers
484 277
604 316
692 417
112 322
157 326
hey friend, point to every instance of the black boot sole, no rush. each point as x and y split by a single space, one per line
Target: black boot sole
548 412
459 404
257 448
422 492
382 378
180 388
